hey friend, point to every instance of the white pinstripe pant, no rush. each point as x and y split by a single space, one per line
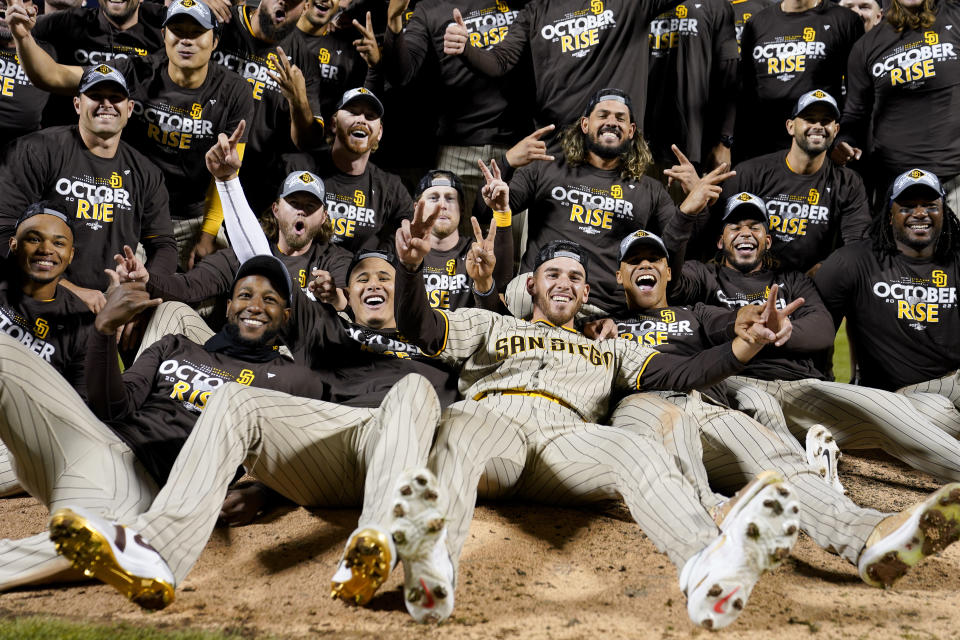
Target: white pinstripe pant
864 417
63 455
545 452
736 448
314 453
938 400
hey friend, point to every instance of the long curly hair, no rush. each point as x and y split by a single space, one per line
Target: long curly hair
885 245
633 162
902 18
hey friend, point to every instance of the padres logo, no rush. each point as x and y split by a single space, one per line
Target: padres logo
196 111
324 56
747 16
681 11
272 61
819 94
640 234
451 266
362 90
245 377
939 280
40 327
104 69
667 315
809 34
916 174
115 180
502 6
306 178
813 197
302 278
744 197
616 191
359 198
596 6
188 3
140 52
931 37
766 293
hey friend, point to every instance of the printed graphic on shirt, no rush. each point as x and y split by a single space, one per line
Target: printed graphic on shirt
667 28
444 283
375 342
743 298
511 345
173 126
253 68
193 383
913 63
12 74
97 199
33 337
489 25
576 32
790 215
655 328
84 57
592 208
786 56
919 301
350 215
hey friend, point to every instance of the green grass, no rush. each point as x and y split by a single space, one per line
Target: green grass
841 355
39 628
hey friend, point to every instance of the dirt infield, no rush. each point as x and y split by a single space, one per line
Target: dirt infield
527 572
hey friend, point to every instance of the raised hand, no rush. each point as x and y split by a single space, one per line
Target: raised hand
496 192
456 36
844 152
683 172
223 160
480 258
220 9
366 45
413 237
124 301
530 149
20 20
395 11
325 289
777 320
129 267
290 79
706 191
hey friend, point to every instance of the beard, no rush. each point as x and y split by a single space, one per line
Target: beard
124 14
267 338
606 152
296 242
271 31
358 145
917 244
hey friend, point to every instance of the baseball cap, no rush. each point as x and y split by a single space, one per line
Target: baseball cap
817 96
561 249
42 208
303 181
269 267
363 255
744 199
640 238
609 94
440 178
917 179
361 95
98 74
196 9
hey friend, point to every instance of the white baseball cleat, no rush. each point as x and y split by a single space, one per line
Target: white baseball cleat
902 540
113 554
366 563
759 530
824 455
419 532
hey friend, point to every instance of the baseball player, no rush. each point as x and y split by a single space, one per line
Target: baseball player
869 11
899 294
737 447
533 393
111 461
858 416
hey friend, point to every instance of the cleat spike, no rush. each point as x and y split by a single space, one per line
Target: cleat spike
406 490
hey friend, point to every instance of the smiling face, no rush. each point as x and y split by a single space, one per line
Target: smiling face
318 13
43 247
104 109
300 217
447 199
370 293
814 129
257 311
608 129
188 45
358 128
644 275
120 11
558 288
277 18
744 243
917 221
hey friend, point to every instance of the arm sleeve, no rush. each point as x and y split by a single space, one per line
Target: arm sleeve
833 283
113 396
855 208
25 172
716 323
725 75
404 52
246 236
156 230
643 369
689 284
241 108
858 107
210 277
503 252
812 326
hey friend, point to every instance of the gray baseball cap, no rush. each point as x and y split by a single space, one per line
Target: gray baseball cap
640 238
817 96
269 267
196 9
744 199
98 74
917 179
303 181
361 95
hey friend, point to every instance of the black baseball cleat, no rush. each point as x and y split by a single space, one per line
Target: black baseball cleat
114 554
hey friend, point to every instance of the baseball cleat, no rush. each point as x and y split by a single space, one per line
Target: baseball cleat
367 560
758 533
902 540
824 455
113 554
420 533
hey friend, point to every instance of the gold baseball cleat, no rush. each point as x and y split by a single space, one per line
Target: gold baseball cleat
365 566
